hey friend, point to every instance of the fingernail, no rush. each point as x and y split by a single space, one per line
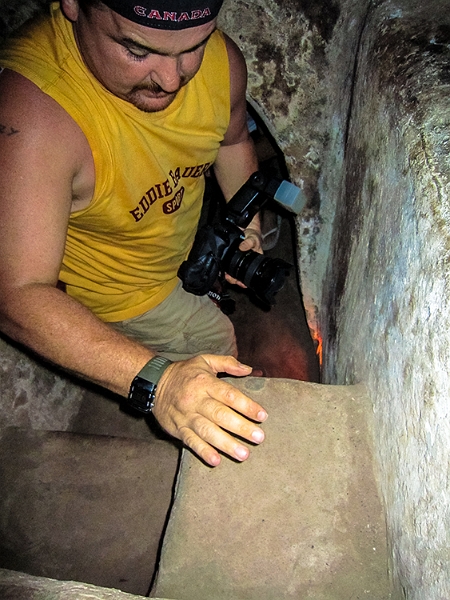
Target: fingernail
214 460
258 435
262 415
244 366
242 452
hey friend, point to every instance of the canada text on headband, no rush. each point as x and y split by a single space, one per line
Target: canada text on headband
167 14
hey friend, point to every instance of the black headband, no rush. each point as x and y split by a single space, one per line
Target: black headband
167 14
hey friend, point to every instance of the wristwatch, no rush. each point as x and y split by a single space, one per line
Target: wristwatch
141 396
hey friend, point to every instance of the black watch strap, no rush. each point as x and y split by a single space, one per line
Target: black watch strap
142 392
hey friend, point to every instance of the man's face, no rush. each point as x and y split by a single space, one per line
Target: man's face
144 66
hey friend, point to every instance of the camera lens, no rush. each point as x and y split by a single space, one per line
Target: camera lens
264 276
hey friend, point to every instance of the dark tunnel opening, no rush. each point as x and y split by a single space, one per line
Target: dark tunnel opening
275 341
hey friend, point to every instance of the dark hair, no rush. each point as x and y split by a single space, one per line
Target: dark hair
86 5
14 14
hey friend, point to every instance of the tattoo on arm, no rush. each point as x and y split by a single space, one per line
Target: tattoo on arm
7 130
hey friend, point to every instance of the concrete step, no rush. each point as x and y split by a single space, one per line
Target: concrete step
302 518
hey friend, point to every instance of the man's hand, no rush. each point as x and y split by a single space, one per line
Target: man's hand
252 241
193 405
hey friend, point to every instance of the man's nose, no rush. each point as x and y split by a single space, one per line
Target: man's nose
167 73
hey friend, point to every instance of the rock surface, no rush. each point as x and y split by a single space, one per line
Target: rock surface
20 586
301 518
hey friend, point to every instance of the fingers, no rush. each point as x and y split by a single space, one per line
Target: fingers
203 437
234 281
201 410
205 440
252 241
201 448
226 364
227 418
233 398
230 395
215 419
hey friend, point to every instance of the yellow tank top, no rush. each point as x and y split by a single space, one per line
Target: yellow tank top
123 251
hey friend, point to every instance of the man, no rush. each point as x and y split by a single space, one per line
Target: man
95 100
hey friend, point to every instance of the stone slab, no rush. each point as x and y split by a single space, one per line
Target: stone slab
20 586
83 507
301 518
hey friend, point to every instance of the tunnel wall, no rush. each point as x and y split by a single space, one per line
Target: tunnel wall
33 395
387 290
300 58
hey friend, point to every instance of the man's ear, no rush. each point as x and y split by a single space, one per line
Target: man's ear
71 9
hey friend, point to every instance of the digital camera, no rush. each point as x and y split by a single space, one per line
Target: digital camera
216 247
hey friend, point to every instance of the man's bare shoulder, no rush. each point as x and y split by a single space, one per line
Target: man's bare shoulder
27 111
236 59
38 135
237 129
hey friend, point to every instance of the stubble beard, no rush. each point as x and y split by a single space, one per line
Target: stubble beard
157 101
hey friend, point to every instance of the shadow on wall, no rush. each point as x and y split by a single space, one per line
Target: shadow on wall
13 14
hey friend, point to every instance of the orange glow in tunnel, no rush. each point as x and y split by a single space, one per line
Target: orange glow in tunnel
317 339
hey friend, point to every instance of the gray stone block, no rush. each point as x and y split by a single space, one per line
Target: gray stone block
82 507
301 518
20 586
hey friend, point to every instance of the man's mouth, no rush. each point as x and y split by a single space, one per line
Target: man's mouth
158 94
153 90
151 98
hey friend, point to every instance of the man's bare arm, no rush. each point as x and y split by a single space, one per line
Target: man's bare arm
44 162
237 158
39 166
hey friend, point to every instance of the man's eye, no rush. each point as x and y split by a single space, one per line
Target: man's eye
138 53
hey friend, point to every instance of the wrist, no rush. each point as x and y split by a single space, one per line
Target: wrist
141 396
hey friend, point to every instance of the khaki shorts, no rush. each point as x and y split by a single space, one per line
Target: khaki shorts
182 326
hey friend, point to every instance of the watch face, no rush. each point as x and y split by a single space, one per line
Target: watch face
141 395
